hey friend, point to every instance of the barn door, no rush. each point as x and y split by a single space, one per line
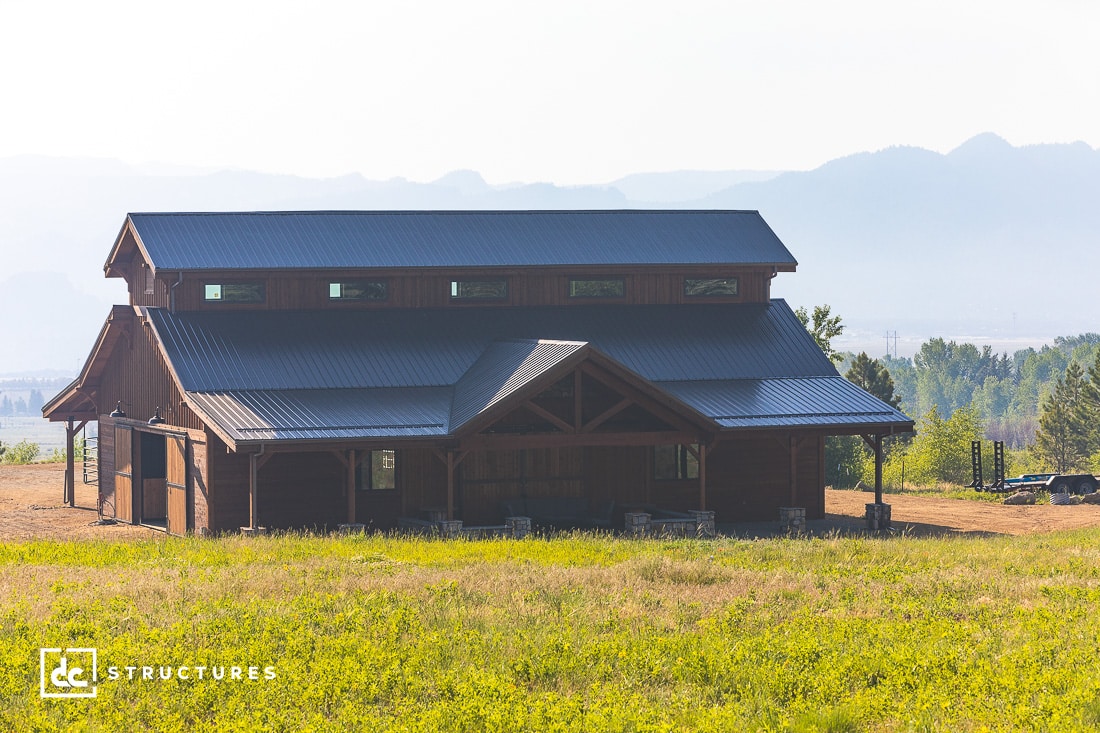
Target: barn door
177 484
124 479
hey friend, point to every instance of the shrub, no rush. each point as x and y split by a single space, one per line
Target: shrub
21 453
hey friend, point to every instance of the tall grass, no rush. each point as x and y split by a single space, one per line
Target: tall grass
572 633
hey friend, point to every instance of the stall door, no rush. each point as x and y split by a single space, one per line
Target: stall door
177 484
124 480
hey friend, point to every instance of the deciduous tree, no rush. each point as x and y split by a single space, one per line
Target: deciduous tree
824 327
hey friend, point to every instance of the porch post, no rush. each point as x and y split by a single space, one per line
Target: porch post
702 476
878 469
70 465
351 486
794 469
253 504
450 485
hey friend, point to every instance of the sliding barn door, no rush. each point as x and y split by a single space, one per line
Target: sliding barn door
177 483
124 479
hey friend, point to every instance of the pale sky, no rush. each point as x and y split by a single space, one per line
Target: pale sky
564 91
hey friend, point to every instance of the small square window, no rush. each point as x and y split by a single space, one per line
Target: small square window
672 462
213 292
377 471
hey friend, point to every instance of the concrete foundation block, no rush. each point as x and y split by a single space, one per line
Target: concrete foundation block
878 517
792 519
450 529
704 522
519 527
638 524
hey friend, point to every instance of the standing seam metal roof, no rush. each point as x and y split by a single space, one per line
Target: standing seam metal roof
236 350
383 239
408 373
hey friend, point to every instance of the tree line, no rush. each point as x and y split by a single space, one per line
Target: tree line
1044 404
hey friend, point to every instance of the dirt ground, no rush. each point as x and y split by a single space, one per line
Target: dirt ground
31 507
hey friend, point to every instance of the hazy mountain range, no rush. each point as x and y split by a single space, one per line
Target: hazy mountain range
989 243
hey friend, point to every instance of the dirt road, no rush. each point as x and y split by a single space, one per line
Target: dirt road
31 507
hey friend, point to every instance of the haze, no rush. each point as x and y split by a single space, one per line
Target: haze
570 92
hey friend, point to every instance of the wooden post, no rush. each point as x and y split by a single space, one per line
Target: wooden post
351 486
70 464
702 476
450 485
878 469
253 503
794 470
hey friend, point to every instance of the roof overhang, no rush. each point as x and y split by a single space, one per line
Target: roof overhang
78 399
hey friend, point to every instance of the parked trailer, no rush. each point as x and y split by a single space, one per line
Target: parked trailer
1055 483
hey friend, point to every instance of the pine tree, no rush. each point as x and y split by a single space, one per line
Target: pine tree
1063 439
873 377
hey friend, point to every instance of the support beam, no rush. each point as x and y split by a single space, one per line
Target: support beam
351 486
607 414
69 497
702 457
793 442
878 469
450 485
253 503
549 417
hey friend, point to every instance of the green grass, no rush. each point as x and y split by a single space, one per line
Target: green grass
574 633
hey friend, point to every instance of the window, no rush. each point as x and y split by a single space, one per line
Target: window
597 288
710 287
377 471
150 282
672 462
358 290
479 289
235 292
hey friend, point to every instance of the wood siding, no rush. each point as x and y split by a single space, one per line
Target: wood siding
487 479
294 490
176 484
106 459
138 377
123 473
308 290
749 478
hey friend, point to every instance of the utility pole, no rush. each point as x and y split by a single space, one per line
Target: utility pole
895 338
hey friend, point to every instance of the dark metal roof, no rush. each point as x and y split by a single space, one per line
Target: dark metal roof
326 414
269 375
502 369
381 239
766 403
237 350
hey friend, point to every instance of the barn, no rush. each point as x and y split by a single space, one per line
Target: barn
415 368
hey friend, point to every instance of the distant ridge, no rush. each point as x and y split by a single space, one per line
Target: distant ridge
989 238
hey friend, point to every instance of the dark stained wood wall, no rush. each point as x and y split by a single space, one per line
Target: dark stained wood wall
421 483
487 479
748 478
138 376
308 290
